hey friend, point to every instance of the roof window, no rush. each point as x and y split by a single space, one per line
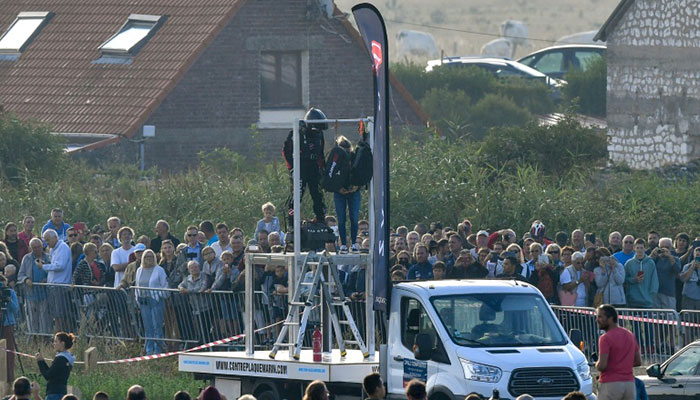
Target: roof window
132 35
22 31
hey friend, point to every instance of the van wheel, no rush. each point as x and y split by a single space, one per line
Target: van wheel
267 394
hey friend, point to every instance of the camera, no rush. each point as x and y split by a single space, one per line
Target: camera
190 256
604 260
5 295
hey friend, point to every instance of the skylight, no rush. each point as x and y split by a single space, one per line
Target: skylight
22 30
132 35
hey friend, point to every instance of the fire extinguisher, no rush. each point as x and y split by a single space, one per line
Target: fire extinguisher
317 339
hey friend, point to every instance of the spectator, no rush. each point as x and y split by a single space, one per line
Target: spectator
90 271
412 238
619 354
211 393
554 253
193 251
274 239
70 397
439 271
537 232
269 222
402 231
614 242
82 231
71 236
211 267
566 253
100 396
524 397
426 239
105 252
57 224
681 245
575 279
136 392
129 276
263 243
641 278
114 225
398 276
577 240
561 238
374 386
363 226
238 251
120 255
483 254
421 270
207 227
194 284
162 233
652 241
38 317
27 229
23 389
57 374
9 319
510 267
17 248
455 245
467 268
610 279
6 257
152 302
482 241
668 268
540 273
247 397
224 240
575 396
415 390
627 251
59 271
691 282
316 391
143 239
356 282
168 261
76 253
182 395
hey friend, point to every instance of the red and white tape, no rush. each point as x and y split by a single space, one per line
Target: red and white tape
638 319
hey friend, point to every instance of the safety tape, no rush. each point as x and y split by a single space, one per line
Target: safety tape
638 319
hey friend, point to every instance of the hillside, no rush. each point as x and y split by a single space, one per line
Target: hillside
546 19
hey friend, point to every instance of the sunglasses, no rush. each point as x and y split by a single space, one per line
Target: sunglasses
553 252
73 235
191 234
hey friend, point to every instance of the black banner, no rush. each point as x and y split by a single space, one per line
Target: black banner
373 32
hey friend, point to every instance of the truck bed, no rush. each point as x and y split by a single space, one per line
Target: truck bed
350 369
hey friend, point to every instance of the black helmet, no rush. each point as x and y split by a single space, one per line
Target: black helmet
315 113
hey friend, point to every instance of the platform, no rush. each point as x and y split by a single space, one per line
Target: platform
350 369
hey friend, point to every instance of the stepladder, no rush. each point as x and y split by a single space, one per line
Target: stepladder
319 286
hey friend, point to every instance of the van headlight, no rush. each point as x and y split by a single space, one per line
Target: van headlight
584 371
480 372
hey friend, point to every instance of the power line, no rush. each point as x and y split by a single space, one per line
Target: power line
467 31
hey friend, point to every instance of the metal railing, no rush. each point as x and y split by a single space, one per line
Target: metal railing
659 333
181 319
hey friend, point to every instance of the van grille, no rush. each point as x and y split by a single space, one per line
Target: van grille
542 382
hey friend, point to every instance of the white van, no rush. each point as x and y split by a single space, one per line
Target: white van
460 337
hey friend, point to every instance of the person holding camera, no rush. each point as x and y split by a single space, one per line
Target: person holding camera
9 308
347 201
609 276
691 282
668 267
24 389
57 374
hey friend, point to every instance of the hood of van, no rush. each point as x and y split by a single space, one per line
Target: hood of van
510 358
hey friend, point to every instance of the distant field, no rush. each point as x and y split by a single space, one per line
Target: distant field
546 19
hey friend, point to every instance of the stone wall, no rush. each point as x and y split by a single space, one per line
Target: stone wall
654 84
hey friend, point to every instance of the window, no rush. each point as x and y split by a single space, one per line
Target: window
583 59
415 321
132 35
685 364
280 80
22 30
550 63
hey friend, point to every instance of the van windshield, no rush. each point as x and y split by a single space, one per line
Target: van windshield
498 320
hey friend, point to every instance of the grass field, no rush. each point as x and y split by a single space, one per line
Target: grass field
546 19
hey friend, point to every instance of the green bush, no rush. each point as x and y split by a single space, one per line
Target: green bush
589 88
533 95
28 150
474 81
554 149
449 111
494 111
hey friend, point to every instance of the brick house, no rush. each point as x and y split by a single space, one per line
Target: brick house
202 72
653 99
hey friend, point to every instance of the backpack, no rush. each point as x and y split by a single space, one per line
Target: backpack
361 168
314 236
336 174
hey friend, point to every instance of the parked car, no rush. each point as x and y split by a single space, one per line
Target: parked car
677 378
556 61
499 67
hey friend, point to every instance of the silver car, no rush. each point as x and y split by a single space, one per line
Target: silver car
677 378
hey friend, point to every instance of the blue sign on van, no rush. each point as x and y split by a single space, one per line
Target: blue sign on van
414 369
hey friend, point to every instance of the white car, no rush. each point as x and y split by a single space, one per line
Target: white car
677 378
499 67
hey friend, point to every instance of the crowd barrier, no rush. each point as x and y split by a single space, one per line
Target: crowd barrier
660 333
188 319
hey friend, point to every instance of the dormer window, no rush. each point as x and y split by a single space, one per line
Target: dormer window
25 27
132 35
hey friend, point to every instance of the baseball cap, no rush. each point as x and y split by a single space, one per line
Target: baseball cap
482 232
139 247
80 226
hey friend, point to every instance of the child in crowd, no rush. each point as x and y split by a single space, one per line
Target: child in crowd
269 222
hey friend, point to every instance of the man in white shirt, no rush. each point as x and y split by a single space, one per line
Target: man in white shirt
223 243
120 255
59 272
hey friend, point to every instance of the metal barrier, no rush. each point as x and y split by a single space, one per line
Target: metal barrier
182 319
660 333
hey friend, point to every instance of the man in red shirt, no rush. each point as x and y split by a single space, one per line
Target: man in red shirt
619 354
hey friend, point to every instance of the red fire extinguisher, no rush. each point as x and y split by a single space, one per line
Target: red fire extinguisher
317 339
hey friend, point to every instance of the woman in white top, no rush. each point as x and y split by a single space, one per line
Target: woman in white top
152 302
575 279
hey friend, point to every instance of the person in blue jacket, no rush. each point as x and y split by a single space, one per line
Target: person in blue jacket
56 223
8 301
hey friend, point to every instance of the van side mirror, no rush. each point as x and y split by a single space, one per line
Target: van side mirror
576 337
654 371
423 349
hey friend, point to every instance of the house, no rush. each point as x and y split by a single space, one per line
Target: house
204 73
653 100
